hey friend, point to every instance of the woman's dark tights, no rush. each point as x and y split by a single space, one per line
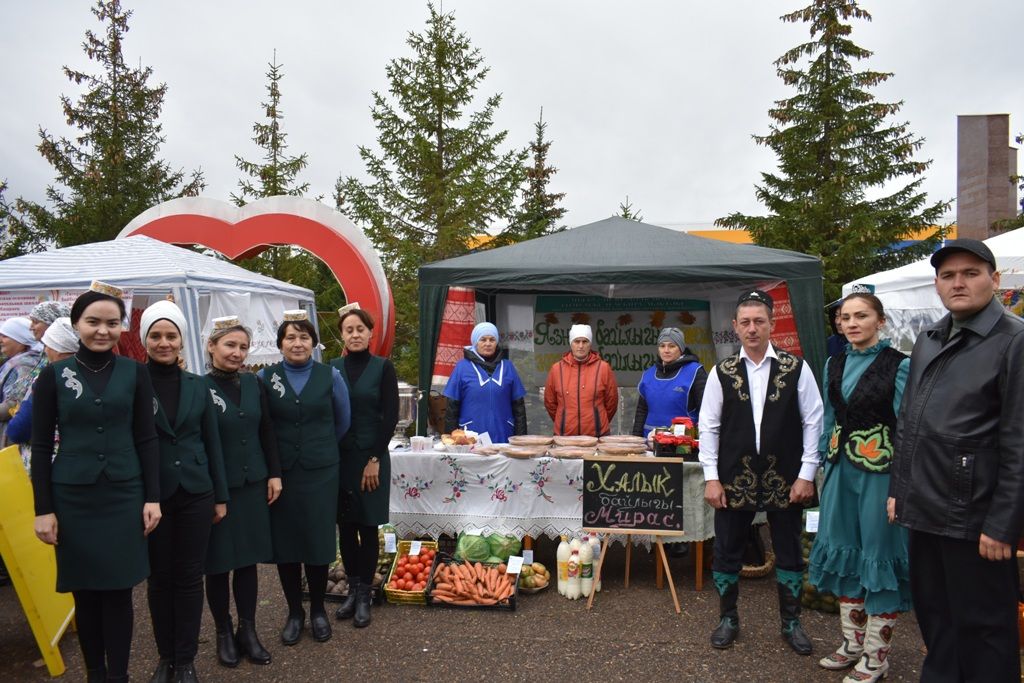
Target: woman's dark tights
291 584
245 586
360 549
105 621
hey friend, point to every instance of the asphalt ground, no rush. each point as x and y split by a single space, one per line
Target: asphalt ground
629 633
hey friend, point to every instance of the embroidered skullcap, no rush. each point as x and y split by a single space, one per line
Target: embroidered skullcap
295 315
354 306
226 322
757 296
104 288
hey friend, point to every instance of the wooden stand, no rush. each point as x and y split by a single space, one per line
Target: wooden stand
659 573
662 565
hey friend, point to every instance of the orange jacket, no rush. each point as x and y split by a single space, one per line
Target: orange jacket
581 398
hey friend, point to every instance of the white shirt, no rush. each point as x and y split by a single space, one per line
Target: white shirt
808 396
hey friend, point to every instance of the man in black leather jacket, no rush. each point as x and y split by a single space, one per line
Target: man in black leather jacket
958 473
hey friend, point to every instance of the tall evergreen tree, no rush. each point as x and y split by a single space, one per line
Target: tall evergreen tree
626 210
109 172
440 177
539 211
838 154
16 237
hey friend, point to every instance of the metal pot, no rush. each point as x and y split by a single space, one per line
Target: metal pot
408 396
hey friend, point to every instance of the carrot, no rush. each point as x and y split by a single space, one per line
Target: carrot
463 602
479 569
444 587
442 597
459 588
487 601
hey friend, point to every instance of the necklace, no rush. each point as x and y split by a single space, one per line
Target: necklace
91 369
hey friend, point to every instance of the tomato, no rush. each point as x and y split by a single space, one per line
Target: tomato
420 577
402 561
430 554
407 576
393 585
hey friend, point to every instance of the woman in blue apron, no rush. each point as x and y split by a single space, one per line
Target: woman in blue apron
99 497
672 387
484 392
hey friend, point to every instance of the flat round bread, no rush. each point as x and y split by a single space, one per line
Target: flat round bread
570 452
530 440
623 438
581 441
620 449
485 450
524 452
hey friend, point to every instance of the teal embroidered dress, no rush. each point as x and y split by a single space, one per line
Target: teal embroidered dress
857 553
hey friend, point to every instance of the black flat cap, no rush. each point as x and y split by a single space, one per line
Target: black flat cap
976 247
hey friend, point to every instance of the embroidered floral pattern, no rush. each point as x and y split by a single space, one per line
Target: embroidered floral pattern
539 476
275 381
787 364
776 490
870 449
730 367
413 488
458 480
577 483
742 490
833 444
72 382
500 491
218 401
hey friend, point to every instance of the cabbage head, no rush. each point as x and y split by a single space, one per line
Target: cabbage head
472 548
504 546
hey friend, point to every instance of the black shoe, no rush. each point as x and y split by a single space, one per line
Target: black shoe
227 652
348 605
164 672
293 628
362 613
797 639
725 633
185 673
321 627
249 643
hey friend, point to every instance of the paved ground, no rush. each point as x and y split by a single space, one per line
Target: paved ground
628 633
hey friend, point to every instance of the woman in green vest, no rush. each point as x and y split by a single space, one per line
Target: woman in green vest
310 409
365 489
253 470
98 499
193 493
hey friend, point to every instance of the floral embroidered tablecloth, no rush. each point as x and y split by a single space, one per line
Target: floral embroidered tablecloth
444 493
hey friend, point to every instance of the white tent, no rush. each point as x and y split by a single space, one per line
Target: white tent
204 287
908 292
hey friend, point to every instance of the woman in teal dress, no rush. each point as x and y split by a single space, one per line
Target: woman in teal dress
364 493
309 406
858 555
253 469
98 499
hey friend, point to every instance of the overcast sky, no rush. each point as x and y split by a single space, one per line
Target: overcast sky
652 99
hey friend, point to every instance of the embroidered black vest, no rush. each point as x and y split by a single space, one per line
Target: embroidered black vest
760 480
865 425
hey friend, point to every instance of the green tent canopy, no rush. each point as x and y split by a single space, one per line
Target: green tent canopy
620 258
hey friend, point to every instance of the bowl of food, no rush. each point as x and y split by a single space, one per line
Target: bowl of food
459 441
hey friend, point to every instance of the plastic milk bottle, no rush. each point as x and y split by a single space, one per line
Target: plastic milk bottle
595 544
586 567
562 555
572 586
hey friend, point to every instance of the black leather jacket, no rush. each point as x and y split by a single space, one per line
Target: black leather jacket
958 469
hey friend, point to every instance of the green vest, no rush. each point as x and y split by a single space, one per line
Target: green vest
239 427
364 397
304 423
190 452
95 430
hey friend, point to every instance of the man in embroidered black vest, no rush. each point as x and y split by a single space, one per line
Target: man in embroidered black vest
958 472
760 423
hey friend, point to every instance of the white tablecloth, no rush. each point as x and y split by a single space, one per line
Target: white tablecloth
442 493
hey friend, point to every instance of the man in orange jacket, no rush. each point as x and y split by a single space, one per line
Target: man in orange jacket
581 394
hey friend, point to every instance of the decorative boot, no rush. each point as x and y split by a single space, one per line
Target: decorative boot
790 585
164 672
348 605
249 643
362 613
728 628
227 652
874 663
852 619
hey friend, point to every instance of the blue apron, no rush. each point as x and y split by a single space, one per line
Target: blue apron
667 398
485 401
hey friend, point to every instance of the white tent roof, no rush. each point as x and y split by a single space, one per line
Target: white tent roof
136 262
908 292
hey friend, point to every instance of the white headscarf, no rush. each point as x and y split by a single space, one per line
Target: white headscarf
162 310
19 329
60 336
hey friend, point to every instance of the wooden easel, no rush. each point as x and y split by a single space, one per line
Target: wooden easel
606 534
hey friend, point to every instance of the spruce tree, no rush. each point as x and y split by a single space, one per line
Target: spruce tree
840 156
16 236
439 178
109 171
627 211
539 211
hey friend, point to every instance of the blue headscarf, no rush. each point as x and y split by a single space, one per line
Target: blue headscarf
483 330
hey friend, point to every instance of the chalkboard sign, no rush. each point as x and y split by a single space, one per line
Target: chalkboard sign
633 494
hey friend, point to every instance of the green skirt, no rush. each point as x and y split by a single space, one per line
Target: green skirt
100 540
243 537
302 521
367 508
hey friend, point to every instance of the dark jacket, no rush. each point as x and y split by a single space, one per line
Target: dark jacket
958 469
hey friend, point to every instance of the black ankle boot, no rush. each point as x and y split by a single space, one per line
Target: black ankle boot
293 628
185 673
227 652
789 613
728 628
164 672
362 612
249 643
348 605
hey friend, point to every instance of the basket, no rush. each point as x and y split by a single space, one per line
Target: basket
509 605
397 597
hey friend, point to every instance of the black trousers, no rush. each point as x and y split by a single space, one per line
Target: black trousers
732 531
105 620
177 558
967 609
